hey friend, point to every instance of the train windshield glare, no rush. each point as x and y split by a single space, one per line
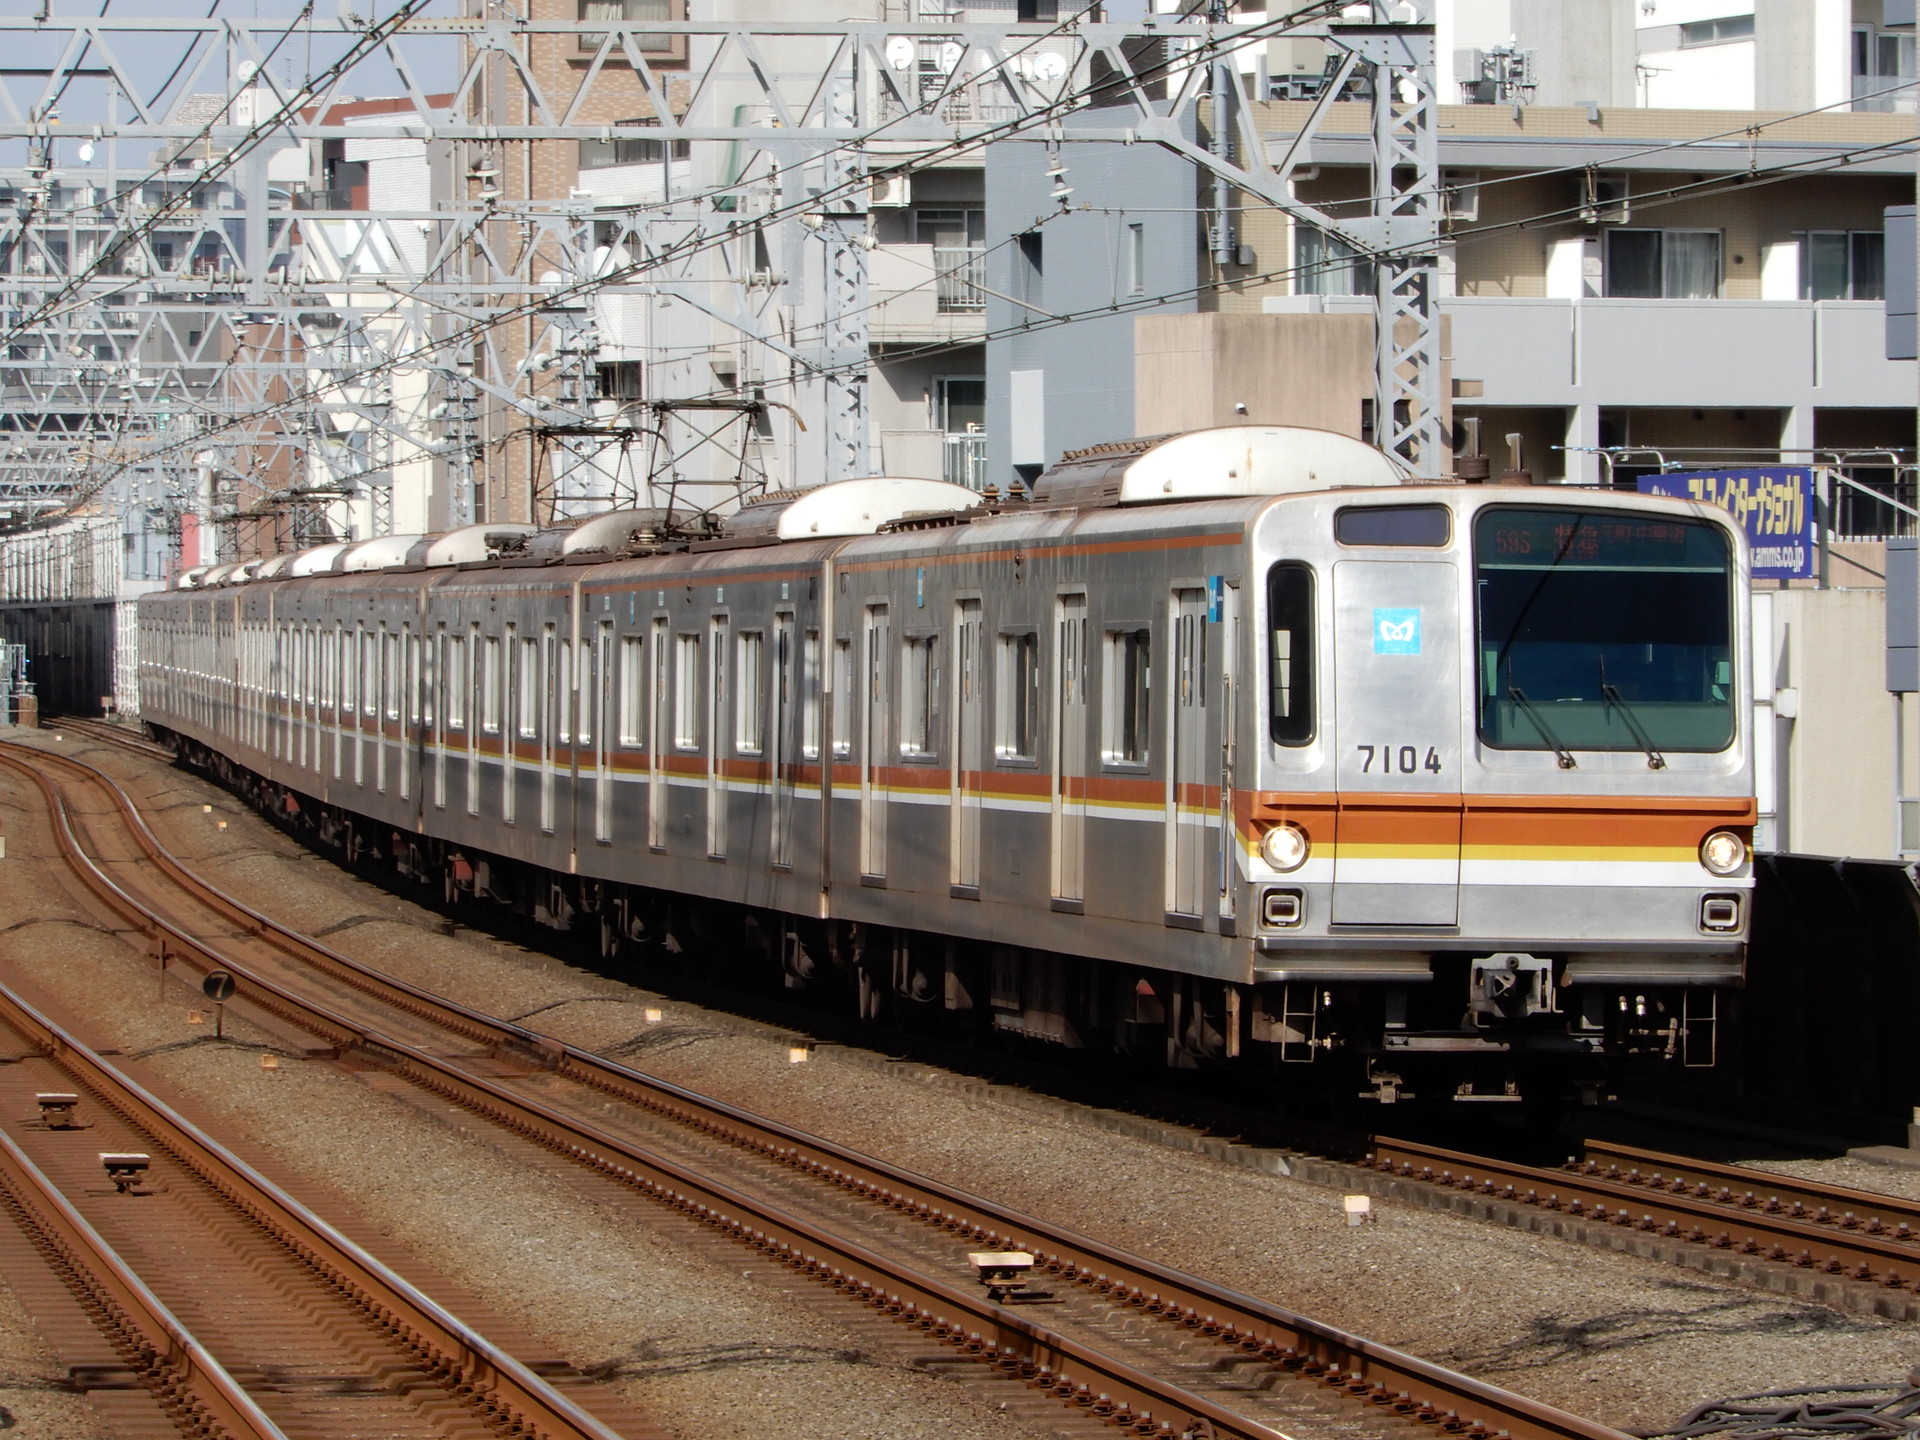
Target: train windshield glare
1603 630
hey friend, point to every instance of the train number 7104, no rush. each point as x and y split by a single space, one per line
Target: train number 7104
1397 759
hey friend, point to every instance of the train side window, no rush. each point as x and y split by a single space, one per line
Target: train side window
810 695
369 673
750 680
686 691
564 698
1128 710
390 675
490 685
1017 697
843 695
1290 620
633 689
457 682
529 700
349 668
1414 525
919 694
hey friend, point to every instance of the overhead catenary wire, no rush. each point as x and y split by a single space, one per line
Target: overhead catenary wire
590 285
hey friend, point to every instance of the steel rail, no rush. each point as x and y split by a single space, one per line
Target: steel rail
185 1379
1242 1325
502 1384
1857 1254
1891 1216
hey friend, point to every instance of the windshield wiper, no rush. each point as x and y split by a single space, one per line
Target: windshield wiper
1611 694
1519 697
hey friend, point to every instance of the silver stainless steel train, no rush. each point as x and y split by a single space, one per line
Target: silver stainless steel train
1226 747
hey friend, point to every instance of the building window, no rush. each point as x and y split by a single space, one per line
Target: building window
958 238
1663 264
628 12
1136 259
632 150
919 693
960 415
1843 265
1031 264
749 692
1881 61
1017 688
1722 31
1327 265
1129 696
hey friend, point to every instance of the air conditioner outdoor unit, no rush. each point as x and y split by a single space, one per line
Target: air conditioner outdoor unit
1461 191
1607 203
892 190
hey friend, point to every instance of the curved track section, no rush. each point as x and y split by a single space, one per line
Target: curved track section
1122 1339
332 1340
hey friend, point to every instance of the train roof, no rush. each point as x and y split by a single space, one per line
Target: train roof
1228 462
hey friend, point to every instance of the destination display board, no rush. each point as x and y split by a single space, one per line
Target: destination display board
1773 504
1599 539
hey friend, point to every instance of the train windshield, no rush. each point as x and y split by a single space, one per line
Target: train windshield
1603 630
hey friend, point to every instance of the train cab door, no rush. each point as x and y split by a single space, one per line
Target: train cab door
1188 773
1397 722
1070 749
875 730
969 744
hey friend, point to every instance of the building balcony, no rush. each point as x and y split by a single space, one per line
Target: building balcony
925 292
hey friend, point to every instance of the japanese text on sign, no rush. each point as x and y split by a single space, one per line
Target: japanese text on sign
1774 505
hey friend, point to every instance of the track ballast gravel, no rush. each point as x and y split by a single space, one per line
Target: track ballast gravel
1627 1341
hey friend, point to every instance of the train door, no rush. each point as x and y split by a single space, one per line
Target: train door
969 743
1396 720
1189 764
875 730
1069 748
1228 850
718 735
439 642
779 843
600 719
554 717
657 714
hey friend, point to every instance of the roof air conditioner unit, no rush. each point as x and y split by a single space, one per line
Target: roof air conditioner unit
889 190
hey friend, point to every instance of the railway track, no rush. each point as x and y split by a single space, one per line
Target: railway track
1827 1228
1123 1341
182 1254
1854 1234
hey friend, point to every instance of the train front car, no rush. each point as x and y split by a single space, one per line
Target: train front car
1500 838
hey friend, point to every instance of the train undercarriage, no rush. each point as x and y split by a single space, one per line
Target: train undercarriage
1486 1029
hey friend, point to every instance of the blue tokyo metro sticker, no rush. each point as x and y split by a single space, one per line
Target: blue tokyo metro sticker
1396 632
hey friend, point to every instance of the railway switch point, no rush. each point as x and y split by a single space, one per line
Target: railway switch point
57 1110
1003 1272
126 1169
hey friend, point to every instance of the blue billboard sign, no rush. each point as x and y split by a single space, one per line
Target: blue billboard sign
1773 504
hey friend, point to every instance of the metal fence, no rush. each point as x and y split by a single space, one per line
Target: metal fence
963 461
962 270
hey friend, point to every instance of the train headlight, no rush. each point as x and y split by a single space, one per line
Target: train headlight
1285 847
1723 852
